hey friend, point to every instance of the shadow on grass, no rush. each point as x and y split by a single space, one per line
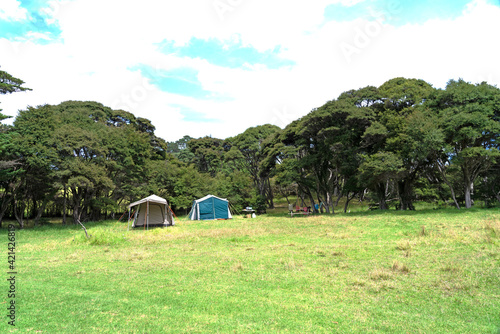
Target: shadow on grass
48 225
280 212
374 213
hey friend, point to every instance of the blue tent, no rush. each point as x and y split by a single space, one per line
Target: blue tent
210 207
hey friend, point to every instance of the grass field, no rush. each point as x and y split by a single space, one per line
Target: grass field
429 271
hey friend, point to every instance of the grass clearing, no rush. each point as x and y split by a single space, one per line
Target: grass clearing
430 271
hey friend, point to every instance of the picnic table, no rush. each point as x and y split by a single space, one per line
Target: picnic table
299 211
248 212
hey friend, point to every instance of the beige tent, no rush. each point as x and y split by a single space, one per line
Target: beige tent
151 211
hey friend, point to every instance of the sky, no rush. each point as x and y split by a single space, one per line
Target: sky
217 67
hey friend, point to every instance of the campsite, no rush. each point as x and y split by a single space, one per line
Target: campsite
356 228
231 166
428 271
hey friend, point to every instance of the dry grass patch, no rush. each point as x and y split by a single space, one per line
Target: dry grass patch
451 268
290 264
331 272
492 227
358 282
320 253
400 267
238 267
338 253
48 245
403 245
380 274
381 286
139 255
423 231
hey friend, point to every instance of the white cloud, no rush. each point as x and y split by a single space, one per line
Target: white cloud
102 40
12 10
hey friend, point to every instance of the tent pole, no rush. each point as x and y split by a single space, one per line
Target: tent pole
213 206
128 222
172 211
147 213
171 215
165 215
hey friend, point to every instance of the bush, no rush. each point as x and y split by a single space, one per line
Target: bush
259 204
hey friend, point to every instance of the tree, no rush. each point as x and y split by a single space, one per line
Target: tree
93 156
180 149
33 143
356 141
468 117
9 166
208 154
377 170
10 169
402 97
251 147
10 84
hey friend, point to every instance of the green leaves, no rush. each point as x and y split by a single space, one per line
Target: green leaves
380 167
468 117
97 153
10 84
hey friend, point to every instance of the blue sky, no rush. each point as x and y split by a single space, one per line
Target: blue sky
397 13
217 67
229 54
181 80
30 16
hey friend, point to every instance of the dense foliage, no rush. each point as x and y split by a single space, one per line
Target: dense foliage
392 145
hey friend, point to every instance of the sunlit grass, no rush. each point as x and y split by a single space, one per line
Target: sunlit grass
428 271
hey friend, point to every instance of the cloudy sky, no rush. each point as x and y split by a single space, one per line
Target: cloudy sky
217 67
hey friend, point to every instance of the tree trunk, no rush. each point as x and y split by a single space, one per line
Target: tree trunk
64 205
19 213
442 171
311 198
469 184
468 195
348 199
453 195
287 200
40 211
270 194
6 199
381 193
76 215
329 202
338 199
405 190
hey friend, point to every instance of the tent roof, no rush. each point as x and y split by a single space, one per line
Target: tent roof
210 196
152 198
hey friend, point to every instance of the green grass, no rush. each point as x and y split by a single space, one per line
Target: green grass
430 271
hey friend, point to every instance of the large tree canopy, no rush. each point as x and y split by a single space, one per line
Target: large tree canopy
390 145
9 164
468 116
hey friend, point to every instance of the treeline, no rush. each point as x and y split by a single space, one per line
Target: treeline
391 146
400 142
90 161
